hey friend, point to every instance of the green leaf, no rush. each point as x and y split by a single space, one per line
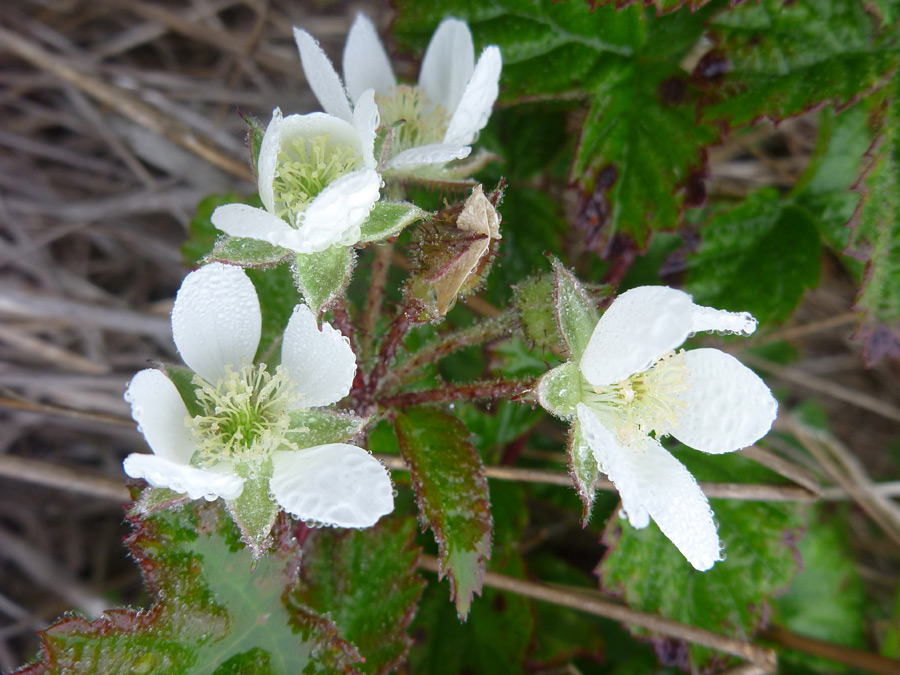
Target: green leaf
452 493
786 58
247 252
183 379
736 268
732 597
875 235
640 157
576 315
559 390
388 219
366 581
583 469
322 276
277 298
320 427
216 610
826 600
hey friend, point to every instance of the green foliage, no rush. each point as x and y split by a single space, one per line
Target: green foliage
626 64
206 619
366 581
759 256
783 59
732 597
322 276
875 236
452 493
388 219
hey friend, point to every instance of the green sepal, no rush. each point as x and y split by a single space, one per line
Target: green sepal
247 252
155 499
254 512
576 316
320 427
322 276
183 379
388 219
583 469
559 390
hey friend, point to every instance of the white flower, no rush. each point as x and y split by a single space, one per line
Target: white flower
634 384
317 181
243 431
441 116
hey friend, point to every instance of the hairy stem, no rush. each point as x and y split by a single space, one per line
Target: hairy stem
460 392
380 267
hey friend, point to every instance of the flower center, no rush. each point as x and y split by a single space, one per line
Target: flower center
245 415
305 167
423 121
644 402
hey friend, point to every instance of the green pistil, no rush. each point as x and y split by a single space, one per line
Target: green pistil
647 401
245 415
424 121
304 168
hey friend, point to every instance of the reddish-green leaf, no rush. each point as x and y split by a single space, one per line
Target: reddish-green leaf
366 580
215 611
452 492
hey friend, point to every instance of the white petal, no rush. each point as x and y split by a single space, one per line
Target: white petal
216 320
365 119
474 109
335 215
184 479
321 76
160 412
267 161
320 362
448 64
339 131
435 153
334 484
729 406
648 476
612 459
707 318
242 220
366 64
640 326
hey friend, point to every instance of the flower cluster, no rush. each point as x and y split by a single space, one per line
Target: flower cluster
238 422
632 388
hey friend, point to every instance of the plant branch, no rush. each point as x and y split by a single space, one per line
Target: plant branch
460 392
380 266
856 658
478 333
591 602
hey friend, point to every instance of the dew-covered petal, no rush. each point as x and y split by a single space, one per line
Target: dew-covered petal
242 220
182 478
268 160
611 457
366 64
652 482
474 108
335 215
640 326
321 76
448 64
320 361
366 119
339 131
708 319
160 413
336 484
729 406
216 320
434 153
